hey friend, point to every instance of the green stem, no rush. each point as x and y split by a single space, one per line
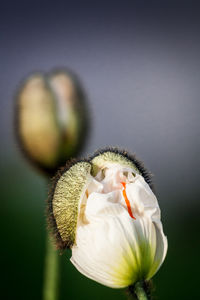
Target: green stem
50 291
139 291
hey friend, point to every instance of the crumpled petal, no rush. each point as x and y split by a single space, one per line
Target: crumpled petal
111 247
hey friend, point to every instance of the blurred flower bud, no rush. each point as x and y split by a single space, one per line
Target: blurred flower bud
104 209
51 119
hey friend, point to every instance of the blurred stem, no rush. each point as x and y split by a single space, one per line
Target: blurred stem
139 291
50 290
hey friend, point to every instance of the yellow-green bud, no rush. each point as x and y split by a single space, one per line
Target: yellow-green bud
51 119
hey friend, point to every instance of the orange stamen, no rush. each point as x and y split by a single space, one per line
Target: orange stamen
127 201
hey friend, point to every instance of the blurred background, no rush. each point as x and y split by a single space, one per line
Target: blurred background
139 62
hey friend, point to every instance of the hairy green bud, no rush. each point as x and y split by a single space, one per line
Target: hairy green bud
104 209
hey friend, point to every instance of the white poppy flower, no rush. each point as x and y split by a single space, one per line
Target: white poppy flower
118 237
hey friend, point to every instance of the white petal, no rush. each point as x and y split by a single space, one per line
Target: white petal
142 199
114 249
111 247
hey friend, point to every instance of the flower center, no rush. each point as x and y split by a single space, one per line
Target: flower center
127 201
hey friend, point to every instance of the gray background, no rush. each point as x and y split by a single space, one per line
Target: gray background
139 62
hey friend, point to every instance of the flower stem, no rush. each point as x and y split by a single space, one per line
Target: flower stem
139 291
50 290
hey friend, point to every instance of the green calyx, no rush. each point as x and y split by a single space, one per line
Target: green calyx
101 160
66 198
70 185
